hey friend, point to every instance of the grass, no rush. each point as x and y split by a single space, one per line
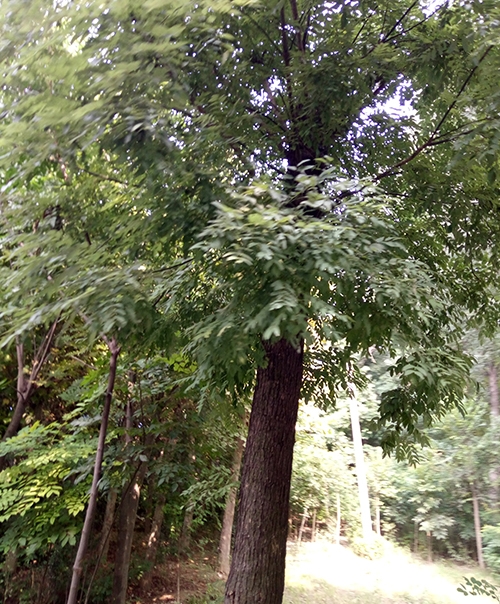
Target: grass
323 573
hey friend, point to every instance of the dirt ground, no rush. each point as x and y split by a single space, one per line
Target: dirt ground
182 581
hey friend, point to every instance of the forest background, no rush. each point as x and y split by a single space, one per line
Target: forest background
210 211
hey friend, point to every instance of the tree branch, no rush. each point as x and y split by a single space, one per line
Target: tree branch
434 135
400 20
105 177
284 38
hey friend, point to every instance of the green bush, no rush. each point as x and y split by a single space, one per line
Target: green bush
491 550
372 548
214 595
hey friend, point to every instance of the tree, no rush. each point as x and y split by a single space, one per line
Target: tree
339 225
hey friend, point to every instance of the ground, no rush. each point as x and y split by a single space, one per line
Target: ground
187 581
323 573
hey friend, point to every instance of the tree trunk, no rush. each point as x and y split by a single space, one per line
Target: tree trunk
154 534
477 526
377 517
126 524
429 546
89 515
109 515
495 420
302 526
185 538
228 520
257 573
416 535
339 520
364 500
313 530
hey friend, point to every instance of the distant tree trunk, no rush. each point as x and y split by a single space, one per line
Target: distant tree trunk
89 515
416 534
9 570
109 515
257 573
149 505
377 516
477 525
228 520
154 539
429 546
154 535
364 499
495 417
339 520
126 525
185 538
302 526
313 530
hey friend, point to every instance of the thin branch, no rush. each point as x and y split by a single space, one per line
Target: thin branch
408 29
114 350
105 177
360 30
463 87
43 352
434 135
389 37
458 131
21 379
71 356
172 266
307 28
263 31
400 20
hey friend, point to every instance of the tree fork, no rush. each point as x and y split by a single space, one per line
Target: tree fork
257 573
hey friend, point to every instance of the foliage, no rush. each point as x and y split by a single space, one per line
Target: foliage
372 548
194 178
479 587
43 495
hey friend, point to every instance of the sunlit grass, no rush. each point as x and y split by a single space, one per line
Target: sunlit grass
323 573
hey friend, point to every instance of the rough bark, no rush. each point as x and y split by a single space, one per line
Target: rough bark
228 520
257 573
89 515
364 500
126 523
477 526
